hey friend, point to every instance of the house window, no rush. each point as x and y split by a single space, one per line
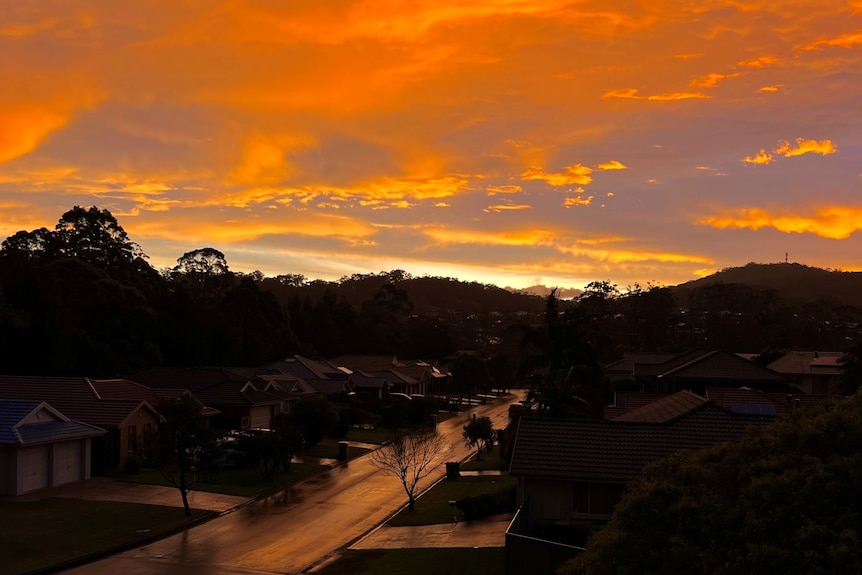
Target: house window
133 438
595 498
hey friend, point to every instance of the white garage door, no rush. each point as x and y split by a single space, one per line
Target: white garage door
67 462
34 462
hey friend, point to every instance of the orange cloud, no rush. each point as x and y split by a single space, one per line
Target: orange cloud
494 190
803 146
507 207
578 201
632 94
760 62
527 237
571 175
834 222
767 89
24 127
844 41
711 80
612 165
760 159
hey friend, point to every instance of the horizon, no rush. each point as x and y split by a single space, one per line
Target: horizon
512 143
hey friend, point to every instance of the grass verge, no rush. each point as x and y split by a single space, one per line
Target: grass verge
460 561
38 534
433 507
242 482
489 461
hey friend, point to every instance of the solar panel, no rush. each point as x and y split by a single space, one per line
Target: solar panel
753 408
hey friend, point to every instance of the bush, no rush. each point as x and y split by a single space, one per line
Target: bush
132 465
479 506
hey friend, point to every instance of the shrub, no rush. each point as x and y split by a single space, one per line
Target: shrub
476 507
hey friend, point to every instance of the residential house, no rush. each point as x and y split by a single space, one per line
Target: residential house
409 377
572 472
241 402
40 447
125 420
698 369
812 372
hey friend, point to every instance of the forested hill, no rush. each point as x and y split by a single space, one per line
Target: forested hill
427 295
793 282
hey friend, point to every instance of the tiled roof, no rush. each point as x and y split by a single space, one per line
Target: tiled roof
627 363
665 409
804 362
723 366
633 400
75 397
575 449
13 430
56 431
783 402
653 368
328 386
306 368
366 362
367 380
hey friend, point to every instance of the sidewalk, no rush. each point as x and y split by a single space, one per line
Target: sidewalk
110 489
488 532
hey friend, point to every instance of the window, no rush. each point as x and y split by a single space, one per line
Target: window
133 438
595 498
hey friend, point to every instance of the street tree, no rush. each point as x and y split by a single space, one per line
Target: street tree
470 373
480 433
182 446
411 458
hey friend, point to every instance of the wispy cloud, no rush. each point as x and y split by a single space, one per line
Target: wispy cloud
571 175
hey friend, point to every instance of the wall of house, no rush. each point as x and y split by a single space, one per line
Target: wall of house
549 499
131 440
8 469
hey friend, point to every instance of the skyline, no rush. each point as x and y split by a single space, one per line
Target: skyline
516 142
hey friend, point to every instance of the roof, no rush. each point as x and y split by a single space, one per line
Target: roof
665 409
617 451
75 397
782 402
627 363
806 362
27 422
307 368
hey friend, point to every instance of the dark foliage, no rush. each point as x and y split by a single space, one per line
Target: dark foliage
487 504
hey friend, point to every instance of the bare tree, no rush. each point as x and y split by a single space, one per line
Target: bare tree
411 458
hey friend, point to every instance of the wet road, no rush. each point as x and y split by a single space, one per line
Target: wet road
289 532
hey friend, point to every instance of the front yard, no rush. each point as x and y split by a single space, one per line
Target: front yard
433 506
39 534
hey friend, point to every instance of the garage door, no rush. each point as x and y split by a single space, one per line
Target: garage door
67 462
34 463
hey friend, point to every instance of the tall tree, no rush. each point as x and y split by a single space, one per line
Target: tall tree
411 458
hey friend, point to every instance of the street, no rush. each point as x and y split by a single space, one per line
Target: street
291 531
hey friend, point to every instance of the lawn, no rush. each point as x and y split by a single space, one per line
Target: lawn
454 561
38 534
377 436
328 449
433 506
242 482
489 461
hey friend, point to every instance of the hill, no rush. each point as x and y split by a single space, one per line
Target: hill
795 283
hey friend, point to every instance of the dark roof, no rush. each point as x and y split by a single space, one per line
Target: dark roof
617 451
14 429
806 362
783 402
367 380
627 363
365 362
307 368
75 397
665 409
193 379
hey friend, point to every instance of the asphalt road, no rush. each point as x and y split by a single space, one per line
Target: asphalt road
291 531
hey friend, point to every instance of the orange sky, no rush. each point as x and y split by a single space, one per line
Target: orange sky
513 142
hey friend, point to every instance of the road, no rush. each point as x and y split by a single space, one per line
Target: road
291 531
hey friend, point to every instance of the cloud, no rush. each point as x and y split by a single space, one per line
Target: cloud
834 222
771 89
803 146
612 165
762 158
711 80
848 40
24 127
633 94
507 207
578 201
761 62
788 150
494 190
571 175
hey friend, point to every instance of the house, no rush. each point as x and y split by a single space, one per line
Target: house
812 372
40 447
408 377
125 420
572 472
696 370
242 401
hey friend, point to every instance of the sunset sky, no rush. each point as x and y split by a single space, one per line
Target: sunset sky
515 142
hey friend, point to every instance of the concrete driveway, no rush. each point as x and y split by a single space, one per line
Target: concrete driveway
109 489
489 532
